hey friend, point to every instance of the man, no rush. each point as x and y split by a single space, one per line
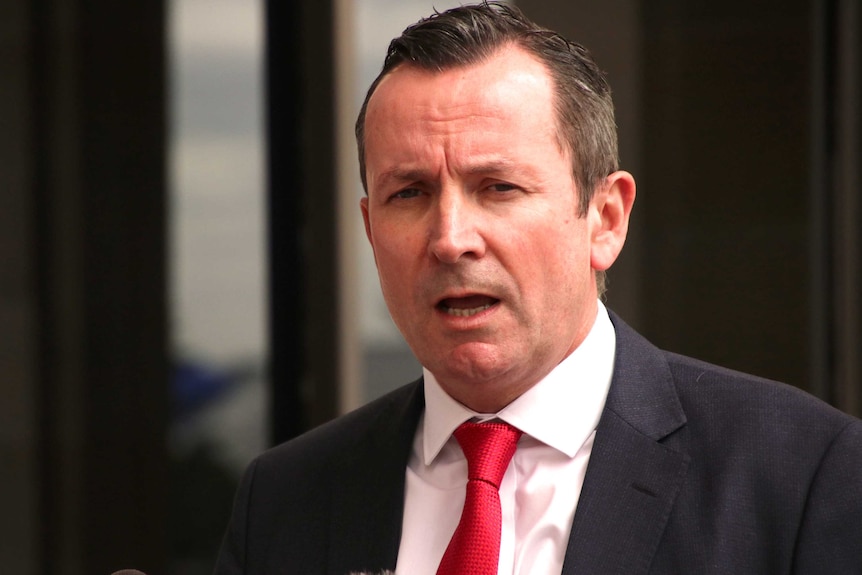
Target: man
494 205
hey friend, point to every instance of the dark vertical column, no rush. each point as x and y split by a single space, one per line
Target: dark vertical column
728 265
122 178
820 341
19 330
836 208
850 393
302 212
85 291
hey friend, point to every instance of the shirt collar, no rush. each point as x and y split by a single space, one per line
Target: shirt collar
562 410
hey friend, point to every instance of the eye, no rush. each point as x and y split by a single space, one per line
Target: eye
502 187
406 194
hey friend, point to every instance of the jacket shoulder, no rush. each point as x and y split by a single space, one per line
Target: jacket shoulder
344 434
704 387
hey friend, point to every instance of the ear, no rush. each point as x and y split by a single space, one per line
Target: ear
609 217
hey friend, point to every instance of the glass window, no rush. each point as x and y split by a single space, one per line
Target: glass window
217 266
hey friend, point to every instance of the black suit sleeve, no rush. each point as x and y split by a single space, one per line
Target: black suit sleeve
830 537
232 555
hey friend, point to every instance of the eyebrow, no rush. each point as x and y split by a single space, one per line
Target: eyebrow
402 175
397 174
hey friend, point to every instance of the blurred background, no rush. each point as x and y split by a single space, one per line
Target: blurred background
184 278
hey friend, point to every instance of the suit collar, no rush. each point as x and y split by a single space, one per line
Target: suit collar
634 474
642 390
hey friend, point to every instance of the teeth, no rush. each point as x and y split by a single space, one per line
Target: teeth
466 312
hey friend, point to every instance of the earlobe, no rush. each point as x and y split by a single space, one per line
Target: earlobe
613 206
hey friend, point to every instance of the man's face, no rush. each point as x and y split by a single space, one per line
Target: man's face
472 213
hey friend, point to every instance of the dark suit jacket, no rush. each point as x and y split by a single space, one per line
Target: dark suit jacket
695 469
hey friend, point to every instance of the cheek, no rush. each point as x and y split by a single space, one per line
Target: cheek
562 260
394 254
392 249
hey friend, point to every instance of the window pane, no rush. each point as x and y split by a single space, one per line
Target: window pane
217 266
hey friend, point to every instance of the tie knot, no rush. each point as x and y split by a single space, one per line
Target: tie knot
489 448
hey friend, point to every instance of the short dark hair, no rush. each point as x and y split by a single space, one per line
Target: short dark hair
470 34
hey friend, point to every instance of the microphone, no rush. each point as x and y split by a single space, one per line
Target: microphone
128 572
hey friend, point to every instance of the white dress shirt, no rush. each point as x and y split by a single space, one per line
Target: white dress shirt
540 489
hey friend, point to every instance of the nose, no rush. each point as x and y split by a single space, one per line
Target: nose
455 230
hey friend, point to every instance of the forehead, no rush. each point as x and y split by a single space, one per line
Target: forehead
511 92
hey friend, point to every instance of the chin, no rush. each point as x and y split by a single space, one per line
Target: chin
478 362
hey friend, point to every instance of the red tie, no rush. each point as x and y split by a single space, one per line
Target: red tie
475 545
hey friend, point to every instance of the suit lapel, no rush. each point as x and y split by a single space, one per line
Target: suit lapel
368 495
635 470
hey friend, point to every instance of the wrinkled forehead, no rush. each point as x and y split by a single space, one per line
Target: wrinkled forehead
494 118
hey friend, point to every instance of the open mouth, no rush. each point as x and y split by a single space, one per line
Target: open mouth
466 306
